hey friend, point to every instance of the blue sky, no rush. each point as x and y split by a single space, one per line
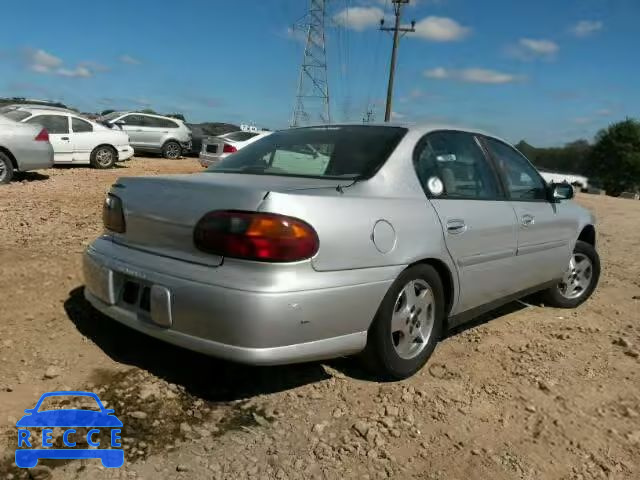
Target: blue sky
547 71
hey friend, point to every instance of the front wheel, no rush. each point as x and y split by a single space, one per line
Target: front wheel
171 150
408 324
579 280
103 157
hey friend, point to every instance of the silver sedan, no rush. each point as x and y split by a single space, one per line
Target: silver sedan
326 241
22 147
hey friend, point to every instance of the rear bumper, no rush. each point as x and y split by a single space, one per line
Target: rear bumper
257 326
208 159
125 152
33 155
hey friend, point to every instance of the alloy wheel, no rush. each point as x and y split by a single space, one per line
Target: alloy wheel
412 319
104 157
577 277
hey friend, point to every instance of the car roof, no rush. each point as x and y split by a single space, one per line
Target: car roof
35 106
149 115
416 128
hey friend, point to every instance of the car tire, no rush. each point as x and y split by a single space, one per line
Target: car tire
389 353
103 157
171 150
6 168
572 290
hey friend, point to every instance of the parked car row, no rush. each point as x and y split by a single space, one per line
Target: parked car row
34 137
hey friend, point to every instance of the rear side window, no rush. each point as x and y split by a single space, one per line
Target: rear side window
452 165
79 126
53 123
240 136
350 151
523 182
17 115
159 123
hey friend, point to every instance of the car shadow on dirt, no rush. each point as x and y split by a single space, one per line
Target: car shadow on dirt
203 376
29 177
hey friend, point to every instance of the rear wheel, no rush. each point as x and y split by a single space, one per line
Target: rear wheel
408 324
579 280
6 168
171 150
103 156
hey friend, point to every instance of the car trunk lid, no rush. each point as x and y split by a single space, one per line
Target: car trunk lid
161 212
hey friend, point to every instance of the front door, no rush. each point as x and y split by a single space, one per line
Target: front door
135 126
544 234
58 127
478 223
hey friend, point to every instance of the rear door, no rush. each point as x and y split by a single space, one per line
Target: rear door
59 135
544 234
478 222
83 139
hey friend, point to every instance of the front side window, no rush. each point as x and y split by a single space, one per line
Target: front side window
134 120
53 123
79 126
452 165
349 151
523 182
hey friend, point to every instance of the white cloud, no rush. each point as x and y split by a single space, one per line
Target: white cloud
473 75
582 120
531 48
296 34
359 18
129 60
41 61
79 71
539 47
397 116
440 29
584 28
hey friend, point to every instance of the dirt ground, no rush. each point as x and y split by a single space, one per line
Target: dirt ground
525 393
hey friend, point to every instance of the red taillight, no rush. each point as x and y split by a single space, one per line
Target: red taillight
266 237
229 148
43 136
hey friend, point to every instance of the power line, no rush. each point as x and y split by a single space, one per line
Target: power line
398 32
312 97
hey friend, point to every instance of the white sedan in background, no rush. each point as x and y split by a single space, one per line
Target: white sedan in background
77 140
215 149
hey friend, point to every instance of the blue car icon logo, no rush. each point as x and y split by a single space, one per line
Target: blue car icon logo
29 452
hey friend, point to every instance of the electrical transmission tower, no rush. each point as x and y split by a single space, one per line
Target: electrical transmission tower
312 97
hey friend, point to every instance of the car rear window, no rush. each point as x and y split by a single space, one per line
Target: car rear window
336 151
240 136
17 115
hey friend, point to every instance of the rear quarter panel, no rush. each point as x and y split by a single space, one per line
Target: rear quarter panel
345 226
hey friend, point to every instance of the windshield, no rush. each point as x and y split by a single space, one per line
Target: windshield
17 115
78 402
350 151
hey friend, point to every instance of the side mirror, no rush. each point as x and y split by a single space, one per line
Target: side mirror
561 191
109 411
29 410
120 122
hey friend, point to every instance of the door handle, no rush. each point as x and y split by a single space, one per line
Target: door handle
456 226
64 138
528 220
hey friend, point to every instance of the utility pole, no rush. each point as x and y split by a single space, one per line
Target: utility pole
370 116
398 32
312 97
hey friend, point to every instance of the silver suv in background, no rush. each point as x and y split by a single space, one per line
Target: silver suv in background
152 133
